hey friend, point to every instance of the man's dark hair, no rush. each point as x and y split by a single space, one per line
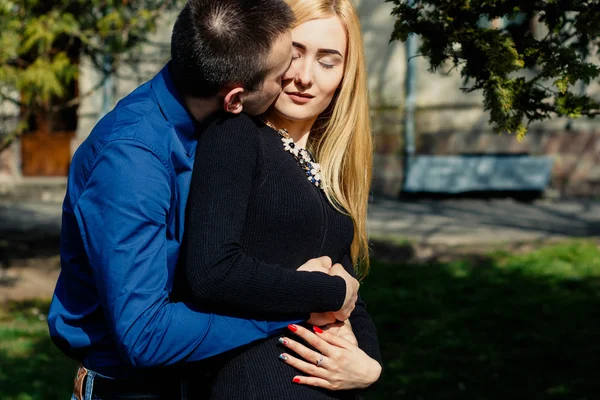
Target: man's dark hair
216 42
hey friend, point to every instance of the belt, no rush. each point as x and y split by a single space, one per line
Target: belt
128 389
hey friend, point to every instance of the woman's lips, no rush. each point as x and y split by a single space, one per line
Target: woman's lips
300 97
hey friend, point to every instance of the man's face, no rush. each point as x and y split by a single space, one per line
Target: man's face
279 60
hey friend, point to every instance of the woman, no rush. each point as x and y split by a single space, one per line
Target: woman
262 203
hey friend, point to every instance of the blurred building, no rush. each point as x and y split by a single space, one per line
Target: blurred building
447 121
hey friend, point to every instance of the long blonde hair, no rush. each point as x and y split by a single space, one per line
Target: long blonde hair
341 137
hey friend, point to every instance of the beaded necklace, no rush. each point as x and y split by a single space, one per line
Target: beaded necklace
303 157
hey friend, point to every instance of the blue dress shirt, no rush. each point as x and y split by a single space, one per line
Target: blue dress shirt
122 229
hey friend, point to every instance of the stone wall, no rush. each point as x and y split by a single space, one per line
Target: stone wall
576 152
9 158
448 120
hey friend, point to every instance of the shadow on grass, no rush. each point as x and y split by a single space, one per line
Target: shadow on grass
501 327
478 327
31 367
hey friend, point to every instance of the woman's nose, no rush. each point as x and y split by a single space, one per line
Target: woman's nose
304 75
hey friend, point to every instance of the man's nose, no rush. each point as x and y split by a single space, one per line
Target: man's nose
290 73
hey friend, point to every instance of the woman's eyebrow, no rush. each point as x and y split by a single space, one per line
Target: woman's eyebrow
326 51
299 45
329 51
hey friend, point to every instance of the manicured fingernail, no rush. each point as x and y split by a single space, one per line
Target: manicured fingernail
283 341
283 357
292 328
296 380
317 329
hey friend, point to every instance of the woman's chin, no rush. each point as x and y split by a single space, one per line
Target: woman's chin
295 115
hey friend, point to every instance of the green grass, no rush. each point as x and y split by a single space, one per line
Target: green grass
31 367
482 327
492 327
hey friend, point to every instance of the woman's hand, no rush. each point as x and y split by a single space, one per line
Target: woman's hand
322 319
321 264
342 330
340 365
324 264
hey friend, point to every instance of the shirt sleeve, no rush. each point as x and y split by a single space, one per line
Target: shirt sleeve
122 216
362 325
219 273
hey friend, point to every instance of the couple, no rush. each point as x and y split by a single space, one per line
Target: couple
156 311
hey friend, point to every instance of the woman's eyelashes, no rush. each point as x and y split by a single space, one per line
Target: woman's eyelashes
326 66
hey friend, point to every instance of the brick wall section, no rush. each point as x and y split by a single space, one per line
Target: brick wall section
576 153
9 172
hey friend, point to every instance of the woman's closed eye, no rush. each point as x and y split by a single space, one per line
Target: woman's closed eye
329 62
325 65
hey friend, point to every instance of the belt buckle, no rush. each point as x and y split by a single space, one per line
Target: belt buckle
78 383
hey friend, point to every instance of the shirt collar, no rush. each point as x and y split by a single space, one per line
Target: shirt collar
174 110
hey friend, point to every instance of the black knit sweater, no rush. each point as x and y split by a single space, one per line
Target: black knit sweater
253 218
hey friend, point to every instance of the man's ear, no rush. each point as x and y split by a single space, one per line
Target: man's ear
232 101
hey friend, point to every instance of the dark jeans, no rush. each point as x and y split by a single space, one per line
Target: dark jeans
100 387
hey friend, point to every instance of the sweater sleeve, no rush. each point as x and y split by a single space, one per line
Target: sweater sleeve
362 325
219 274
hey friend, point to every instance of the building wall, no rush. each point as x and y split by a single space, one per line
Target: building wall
448 121
140 66
9 159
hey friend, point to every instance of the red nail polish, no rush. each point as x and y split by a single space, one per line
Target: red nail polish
292 328
317 329
296 380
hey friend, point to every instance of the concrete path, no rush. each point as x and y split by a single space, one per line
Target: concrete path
426 222
29 221
479 221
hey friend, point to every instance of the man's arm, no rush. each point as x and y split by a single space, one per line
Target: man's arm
122 216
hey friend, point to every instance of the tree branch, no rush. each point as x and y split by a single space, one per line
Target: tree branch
415 56
77 100
9 139
10 99
546 89
454 67
590 113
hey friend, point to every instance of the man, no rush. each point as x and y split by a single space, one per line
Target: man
125 206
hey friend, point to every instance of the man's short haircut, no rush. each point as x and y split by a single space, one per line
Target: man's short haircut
216 42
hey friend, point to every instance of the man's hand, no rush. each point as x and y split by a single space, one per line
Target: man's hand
352 286
321 264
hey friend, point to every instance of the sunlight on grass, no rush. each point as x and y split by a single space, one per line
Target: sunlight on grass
500 326
495 326
31 368
565 261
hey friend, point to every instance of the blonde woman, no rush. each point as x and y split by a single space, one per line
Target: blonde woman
269 194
